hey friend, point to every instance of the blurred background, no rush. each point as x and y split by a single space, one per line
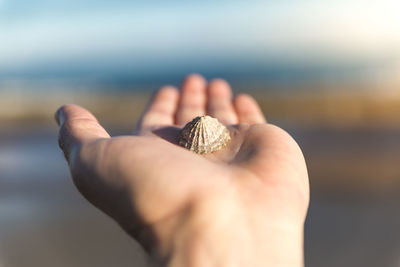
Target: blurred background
326 71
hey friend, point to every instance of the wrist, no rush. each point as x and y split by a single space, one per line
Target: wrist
203 250
196 240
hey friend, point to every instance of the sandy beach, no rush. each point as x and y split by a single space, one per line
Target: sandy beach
351 142
353 218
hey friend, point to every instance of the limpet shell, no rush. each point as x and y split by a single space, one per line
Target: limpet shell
204 134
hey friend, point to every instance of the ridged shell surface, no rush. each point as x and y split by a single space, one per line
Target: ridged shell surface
204 134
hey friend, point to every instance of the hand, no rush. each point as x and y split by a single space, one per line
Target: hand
244 205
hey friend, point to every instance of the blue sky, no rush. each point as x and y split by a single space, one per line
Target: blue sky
73 35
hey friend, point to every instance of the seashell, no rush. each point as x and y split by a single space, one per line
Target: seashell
204 134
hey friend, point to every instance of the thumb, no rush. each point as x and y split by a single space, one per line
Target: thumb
77 126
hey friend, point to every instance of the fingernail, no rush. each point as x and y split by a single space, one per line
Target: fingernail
59 116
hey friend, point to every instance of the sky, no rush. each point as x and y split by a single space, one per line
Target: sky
72 37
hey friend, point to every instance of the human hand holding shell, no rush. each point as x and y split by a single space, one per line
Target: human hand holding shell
247 199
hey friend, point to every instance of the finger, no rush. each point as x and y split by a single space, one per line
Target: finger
219 102
192 102
248 110
77 125
161 109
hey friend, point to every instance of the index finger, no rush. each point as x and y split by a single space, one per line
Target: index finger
248 110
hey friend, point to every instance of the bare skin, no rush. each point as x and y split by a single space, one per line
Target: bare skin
244 205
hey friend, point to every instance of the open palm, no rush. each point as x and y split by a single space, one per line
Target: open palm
190 209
